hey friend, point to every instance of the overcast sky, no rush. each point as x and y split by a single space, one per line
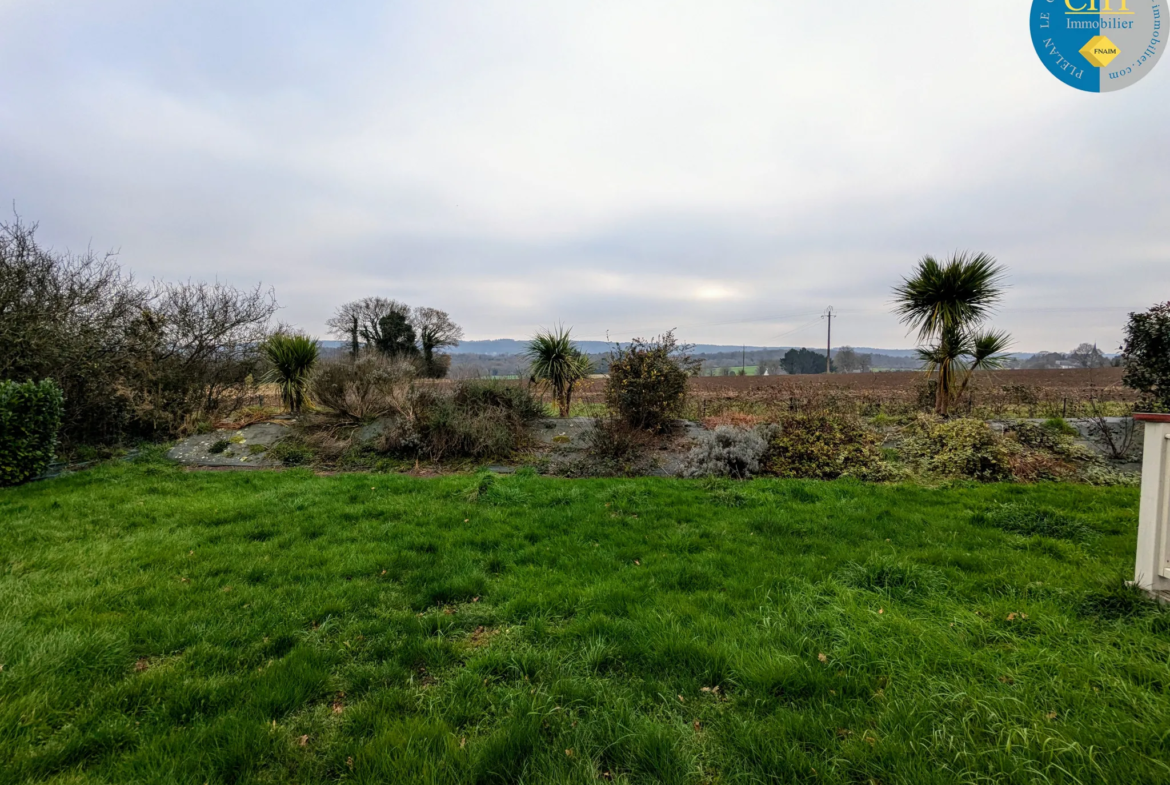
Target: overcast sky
727 168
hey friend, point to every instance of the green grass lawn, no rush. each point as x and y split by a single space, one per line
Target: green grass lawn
166 626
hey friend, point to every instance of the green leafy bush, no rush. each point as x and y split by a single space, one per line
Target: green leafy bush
1146 356
1039 437
823 445
957 448
1095 474
30 416
647 384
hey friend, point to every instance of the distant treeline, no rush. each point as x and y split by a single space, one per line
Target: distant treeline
772 361
757 362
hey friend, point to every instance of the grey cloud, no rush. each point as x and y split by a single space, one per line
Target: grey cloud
620 166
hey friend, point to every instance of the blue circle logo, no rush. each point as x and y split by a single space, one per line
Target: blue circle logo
1100 45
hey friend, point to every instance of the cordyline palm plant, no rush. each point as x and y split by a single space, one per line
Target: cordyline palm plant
556 362
292 358
948 303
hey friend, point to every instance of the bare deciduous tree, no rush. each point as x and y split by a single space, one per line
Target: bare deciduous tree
369 313
435 331
1087 356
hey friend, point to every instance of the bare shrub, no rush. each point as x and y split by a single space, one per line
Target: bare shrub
132 360
733 419
198 350
1032 466
72 319
365 388
1118 439
478 419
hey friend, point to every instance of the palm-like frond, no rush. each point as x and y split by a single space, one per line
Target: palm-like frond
292 358
958 293
946 302
988 349
555 361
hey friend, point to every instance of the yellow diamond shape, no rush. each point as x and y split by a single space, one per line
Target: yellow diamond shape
1100 51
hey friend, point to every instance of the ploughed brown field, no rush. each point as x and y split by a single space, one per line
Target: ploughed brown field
1040 393
1048 393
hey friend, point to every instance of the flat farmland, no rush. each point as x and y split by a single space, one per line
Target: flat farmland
1035 393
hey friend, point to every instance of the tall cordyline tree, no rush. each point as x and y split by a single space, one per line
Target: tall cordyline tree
557 363
948 303
291 358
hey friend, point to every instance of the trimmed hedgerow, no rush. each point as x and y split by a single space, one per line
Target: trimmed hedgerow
30 416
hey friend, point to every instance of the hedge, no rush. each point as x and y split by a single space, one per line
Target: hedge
30 414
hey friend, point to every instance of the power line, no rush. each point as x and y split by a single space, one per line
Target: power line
797 329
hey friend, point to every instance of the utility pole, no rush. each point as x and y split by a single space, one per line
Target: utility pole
828 314
743 360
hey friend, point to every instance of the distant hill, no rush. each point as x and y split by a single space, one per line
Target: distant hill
506 347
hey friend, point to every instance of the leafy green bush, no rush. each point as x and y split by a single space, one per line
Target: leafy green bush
1034 522
824 446
1095 474
957 448
30 416
647 384
1039 437
1146 357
